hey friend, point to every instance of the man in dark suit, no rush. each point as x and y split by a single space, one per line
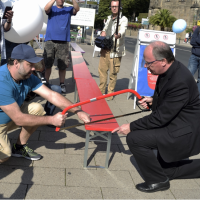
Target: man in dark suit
172 128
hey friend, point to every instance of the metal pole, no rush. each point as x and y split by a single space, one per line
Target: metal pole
117 25
84 30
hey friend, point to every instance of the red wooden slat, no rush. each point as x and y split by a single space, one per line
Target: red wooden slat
88 89
80 68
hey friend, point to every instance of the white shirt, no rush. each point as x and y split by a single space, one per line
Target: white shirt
110 29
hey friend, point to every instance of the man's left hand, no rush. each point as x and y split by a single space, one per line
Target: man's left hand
124 129
117 36
85 117
9 15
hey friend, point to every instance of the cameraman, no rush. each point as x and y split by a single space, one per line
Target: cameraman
109 59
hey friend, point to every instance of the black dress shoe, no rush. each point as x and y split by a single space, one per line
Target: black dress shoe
143 187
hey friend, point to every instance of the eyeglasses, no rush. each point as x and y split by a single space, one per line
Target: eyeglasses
114 6
150 63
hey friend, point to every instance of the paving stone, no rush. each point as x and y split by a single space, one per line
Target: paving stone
122 121
15 134
115 139
52 136
79 148
136 176
48 176
128 108
47 147
98 178
16 174
61 161
197 181
186 193
12 191
132 193
30 175
118 139
184 184
116 161
75 137
14 161
60 192
195 157
124 149
133 117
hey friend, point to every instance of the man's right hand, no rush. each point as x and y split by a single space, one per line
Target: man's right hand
144 101
59 119
103 33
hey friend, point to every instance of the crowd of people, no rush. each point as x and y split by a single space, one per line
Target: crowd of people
172 127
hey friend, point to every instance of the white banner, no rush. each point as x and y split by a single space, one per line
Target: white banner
146 35
85 17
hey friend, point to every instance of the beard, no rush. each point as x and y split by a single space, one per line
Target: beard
24 75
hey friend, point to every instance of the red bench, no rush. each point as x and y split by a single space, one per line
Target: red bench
80 69
75 47
87 88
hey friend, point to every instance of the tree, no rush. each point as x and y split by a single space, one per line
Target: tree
68 1
162 18
103 13
129 7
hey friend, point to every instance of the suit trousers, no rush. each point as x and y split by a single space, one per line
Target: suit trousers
153 168
113 65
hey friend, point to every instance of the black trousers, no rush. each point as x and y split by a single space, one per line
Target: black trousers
154 169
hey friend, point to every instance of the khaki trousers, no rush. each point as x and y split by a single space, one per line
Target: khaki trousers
113 65
5 146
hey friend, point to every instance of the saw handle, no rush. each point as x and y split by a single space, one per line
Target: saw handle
148 105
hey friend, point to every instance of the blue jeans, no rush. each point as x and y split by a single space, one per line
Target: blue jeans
193 66
49 107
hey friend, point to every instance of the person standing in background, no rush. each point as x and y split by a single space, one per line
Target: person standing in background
109 59
58 37
5 26
194 61
186 38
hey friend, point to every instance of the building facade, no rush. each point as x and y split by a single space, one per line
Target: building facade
189 10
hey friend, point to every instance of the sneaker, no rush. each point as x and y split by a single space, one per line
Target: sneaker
25 152
63 88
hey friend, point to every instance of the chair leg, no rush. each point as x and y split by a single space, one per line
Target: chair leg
108 149
86 148
75 94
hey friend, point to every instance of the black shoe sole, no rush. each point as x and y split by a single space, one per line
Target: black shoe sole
156 190
28 158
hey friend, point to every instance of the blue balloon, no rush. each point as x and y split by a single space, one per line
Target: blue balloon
179 26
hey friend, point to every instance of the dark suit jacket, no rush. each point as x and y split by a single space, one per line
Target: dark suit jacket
175 114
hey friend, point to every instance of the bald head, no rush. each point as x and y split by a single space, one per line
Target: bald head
158 57
160 50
